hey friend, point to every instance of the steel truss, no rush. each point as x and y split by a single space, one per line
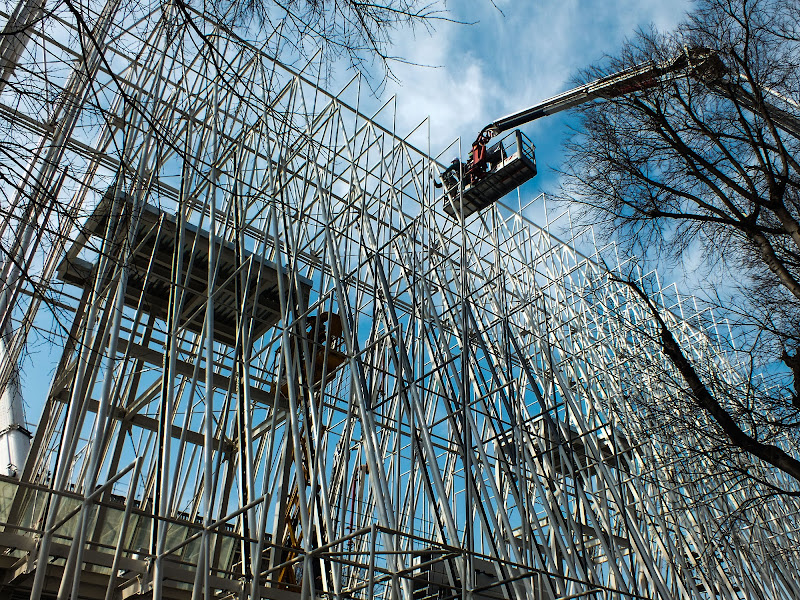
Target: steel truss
288 373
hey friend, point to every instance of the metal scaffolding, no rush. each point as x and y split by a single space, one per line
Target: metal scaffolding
288 372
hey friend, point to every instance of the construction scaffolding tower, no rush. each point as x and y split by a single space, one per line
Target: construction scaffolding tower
286 372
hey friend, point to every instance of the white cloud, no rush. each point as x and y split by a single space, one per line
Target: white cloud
446 82
507 61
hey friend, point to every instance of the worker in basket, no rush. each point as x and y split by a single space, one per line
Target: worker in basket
481 162
478 163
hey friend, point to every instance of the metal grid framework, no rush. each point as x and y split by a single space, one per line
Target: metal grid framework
462 425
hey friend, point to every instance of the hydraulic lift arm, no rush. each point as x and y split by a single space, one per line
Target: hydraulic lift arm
703 64
483 178
490 174
783 119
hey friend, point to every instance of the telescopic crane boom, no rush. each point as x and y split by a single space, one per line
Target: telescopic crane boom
702 64
640 77
491 173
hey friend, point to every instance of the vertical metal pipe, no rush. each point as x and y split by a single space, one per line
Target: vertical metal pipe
371 570
74 412
208 439
123 530
73 565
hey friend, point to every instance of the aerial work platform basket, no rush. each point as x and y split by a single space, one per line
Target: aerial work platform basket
509 163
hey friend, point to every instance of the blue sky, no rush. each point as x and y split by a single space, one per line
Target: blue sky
513 56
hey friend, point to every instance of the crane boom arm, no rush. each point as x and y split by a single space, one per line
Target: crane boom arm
636 78
789 122
489 174
702 64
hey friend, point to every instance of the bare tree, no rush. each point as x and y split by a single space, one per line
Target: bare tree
361 31
706 164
